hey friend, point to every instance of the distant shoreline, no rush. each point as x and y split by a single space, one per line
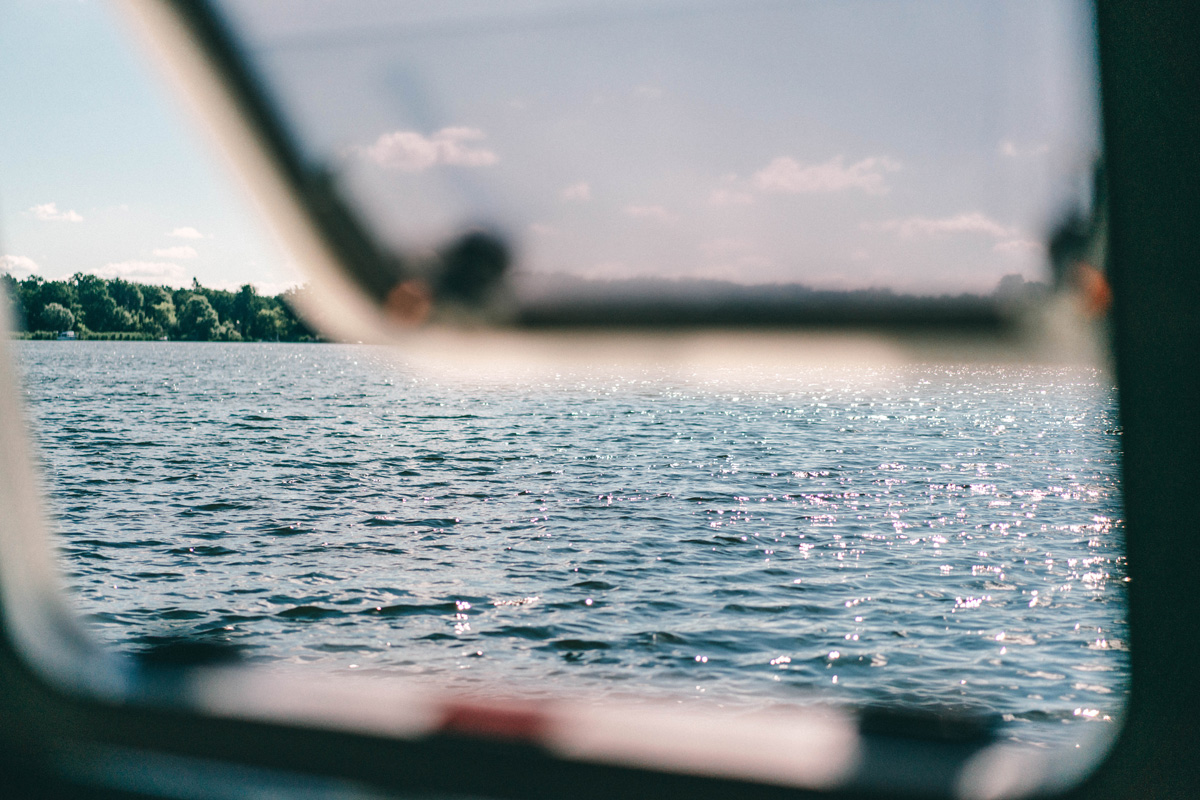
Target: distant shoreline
91 308
120 336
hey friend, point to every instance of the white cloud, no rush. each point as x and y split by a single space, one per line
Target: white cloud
181 251
264 288
789 176
1020 247
579 192
143 272
730 192
1010 149
730 197
49 212
916 227
410 151
186 233
542 229
647 91
272 288
20 267
655 213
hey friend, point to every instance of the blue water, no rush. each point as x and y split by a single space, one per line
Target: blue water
924 535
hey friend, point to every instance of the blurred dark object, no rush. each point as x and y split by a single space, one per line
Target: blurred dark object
184 651
956 726
769 307
1078 251
472 269
464 282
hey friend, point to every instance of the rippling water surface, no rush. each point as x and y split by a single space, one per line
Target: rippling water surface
920 534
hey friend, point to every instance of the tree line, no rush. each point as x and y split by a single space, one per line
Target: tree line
112 308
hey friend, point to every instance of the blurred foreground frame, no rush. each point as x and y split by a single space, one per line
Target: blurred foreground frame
60 743
363 290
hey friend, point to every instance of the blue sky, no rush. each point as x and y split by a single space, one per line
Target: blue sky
922 146
102 170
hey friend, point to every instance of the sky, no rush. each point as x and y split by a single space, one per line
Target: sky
926 147
103 171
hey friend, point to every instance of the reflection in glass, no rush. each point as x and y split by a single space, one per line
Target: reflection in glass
688 152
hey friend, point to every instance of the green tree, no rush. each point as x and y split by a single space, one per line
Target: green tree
11 288
28 298
34 294
118 305
153 295
222 302
246 305
226 332
128 295
268 324
97 306
198 320
162 316
122 320
60 292
57 317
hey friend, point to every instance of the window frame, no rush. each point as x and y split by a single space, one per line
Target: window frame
74 722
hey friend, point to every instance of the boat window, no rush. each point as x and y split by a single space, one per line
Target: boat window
736 362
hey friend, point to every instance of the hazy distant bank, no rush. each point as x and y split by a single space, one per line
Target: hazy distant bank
94 308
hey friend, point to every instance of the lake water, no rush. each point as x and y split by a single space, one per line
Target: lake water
923 535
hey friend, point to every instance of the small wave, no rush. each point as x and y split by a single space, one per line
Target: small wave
414 609
656 639
599 585
740 608
118 544
537 633
382 520
579 644
81 553
220 506
333 647
203 550
288 530
310 612
179 613
574 605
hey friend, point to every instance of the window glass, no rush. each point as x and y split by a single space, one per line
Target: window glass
670 149
711 519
